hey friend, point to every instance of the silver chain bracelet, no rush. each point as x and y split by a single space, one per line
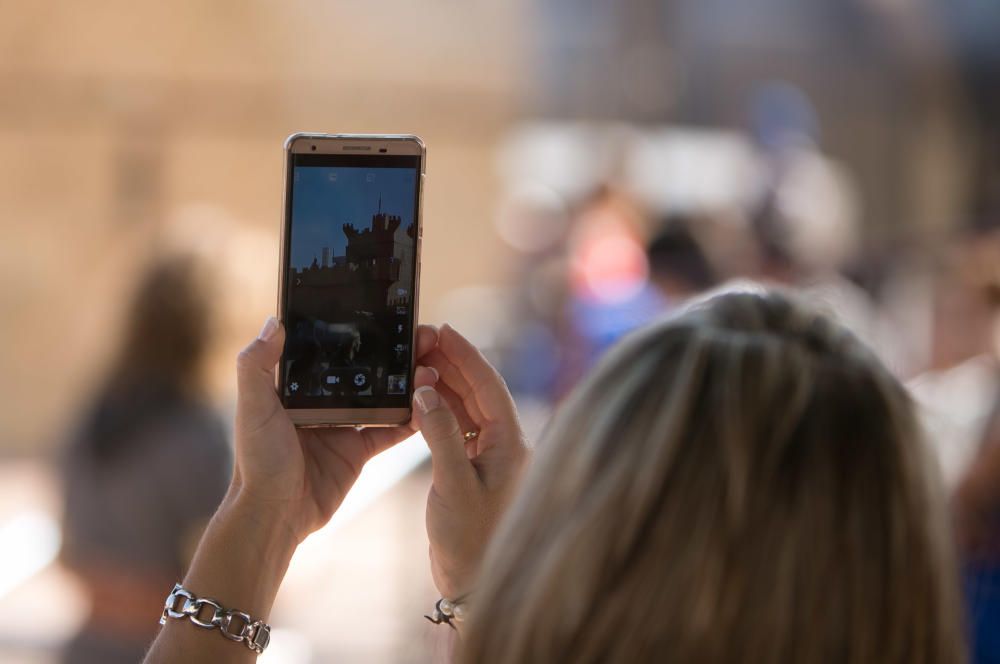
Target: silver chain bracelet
255 634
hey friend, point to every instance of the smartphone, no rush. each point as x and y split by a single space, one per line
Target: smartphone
349 277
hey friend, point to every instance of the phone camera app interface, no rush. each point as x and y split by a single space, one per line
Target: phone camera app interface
349 286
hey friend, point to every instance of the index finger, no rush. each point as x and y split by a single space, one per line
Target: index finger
485 383
426 339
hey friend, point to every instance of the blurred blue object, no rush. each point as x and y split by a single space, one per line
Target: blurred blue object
600 323
533 363
982 591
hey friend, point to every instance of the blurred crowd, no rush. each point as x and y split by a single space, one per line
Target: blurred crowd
594 266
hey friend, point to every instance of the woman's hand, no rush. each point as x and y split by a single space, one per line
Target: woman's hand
473 481
300 475
287 483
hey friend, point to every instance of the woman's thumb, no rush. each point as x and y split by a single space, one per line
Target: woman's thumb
256 396
445 439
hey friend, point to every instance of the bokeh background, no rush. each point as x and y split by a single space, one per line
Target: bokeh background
591 165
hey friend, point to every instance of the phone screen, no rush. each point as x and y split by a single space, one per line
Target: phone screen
351 261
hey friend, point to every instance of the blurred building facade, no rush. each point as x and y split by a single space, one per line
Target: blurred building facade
124 122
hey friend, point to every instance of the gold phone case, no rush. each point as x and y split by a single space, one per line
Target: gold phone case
382 144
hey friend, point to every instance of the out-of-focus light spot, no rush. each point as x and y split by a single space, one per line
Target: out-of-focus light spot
533 218
28 543
570 159
685 169
819 203
609 268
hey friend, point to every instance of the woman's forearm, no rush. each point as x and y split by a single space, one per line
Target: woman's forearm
240 563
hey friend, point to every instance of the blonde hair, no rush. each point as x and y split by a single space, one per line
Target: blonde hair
744 483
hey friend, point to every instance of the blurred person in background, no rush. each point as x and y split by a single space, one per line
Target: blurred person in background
959 398
958 390
793 254
743 483
678 265
571 309
804 219
609 293
146 468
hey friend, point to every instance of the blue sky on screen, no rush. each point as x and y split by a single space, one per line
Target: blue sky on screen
326 198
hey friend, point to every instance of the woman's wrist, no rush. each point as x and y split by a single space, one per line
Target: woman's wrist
243 555
271 522
240 563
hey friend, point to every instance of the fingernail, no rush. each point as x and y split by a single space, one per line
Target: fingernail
426 399
434 371
269 330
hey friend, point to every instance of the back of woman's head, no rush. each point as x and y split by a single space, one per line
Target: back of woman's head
744 483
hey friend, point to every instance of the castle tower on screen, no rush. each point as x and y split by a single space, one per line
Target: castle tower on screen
377 268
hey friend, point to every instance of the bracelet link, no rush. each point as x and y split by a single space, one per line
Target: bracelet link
169 607
193 611
226 622
261 637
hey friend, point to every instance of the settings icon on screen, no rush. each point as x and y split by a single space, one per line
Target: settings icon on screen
294 387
